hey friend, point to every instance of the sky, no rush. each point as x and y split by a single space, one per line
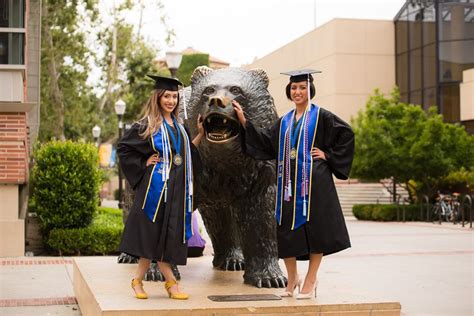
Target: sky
240 31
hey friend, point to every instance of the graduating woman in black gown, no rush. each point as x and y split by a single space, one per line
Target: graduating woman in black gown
310 145
156 157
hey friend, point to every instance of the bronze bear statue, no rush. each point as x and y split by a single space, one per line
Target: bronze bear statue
234 193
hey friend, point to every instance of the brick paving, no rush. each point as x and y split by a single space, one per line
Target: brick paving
66 300
28 262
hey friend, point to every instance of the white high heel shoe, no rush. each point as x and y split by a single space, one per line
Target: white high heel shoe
292 293
305 296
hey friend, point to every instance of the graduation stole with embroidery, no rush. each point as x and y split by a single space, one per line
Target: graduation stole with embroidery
300 190
156 192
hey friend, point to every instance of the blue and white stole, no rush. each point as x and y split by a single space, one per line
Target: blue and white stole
301 189
157 185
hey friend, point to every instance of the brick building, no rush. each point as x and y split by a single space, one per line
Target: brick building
20 22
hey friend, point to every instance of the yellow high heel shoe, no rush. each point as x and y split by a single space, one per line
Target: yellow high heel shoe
143 295
176 296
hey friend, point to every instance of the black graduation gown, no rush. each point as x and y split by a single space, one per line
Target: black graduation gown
326 230
161 240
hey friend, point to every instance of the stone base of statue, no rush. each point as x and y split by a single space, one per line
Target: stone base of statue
102 287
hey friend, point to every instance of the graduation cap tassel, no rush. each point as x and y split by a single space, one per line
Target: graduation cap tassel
184 105
309 93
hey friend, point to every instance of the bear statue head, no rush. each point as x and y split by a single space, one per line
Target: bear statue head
212 92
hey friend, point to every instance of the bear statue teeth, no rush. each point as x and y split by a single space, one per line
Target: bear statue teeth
218 136
224 121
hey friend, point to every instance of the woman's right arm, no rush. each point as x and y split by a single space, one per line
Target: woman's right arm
259 142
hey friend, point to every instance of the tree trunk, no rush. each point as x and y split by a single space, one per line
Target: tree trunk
112 67
56 93
394 190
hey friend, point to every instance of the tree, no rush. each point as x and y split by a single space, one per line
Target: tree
65 96
401 141
70 106
128 59
440 150
188 64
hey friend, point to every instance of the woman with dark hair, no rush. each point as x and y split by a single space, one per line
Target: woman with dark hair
310 145
157 157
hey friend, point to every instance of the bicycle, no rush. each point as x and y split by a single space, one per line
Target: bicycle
456 207
447 208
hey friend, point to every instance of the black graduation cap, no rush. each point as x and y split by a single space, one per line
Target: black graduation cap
166 83
301 75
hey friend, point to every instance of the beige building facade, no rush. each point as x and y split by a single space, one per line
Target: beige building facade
467 95
355 57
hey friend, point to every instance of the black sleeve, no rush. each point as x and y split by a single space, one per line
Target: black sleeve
195 156
340 146
132 151
262 143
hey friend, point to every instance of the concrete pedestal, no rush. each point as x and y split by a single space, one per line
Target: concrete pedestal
102 287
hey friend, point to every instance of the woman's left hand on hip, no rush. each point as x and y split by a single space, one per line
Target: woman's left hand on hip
318 153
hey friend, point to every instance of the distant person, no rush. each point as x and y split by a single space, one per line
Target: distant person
157 157
310 145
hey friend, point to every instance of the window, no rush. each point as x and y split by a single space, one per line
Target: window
402 72
429 98
450 103
12 32
416 70
456 21
455 57
429 66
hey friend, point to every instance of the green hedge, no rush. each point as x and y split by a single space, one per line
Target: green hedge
66 180
102 237
386 212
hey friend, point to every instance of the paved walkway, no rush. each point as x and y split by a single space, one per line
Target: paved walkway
427 267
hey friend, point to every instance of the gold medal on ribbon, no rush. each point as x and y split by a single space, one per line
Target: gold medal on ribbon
293 153
177 159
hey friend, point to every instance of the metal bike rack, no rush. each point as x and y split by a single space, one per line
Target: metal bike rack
402 205
425 202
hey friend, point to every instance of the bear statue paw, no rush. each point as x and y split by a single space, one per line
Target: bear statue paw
154 273
233 260
270 277
126 258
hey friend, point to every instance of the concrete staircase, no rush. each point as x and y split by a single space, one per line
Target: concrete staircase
354 192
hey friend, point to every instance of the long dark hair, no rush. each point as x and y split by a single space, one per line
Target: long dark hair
152 113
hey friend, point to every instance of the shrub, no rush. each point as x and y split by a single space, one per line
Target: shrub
188 64
66 179
102 237
386 212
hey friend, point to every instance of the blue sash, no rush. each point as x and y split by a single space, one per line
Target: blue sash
301 212
157 184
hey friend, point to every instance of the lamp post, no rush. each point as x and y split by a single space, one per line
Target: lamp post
120 110
96 134
173 60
